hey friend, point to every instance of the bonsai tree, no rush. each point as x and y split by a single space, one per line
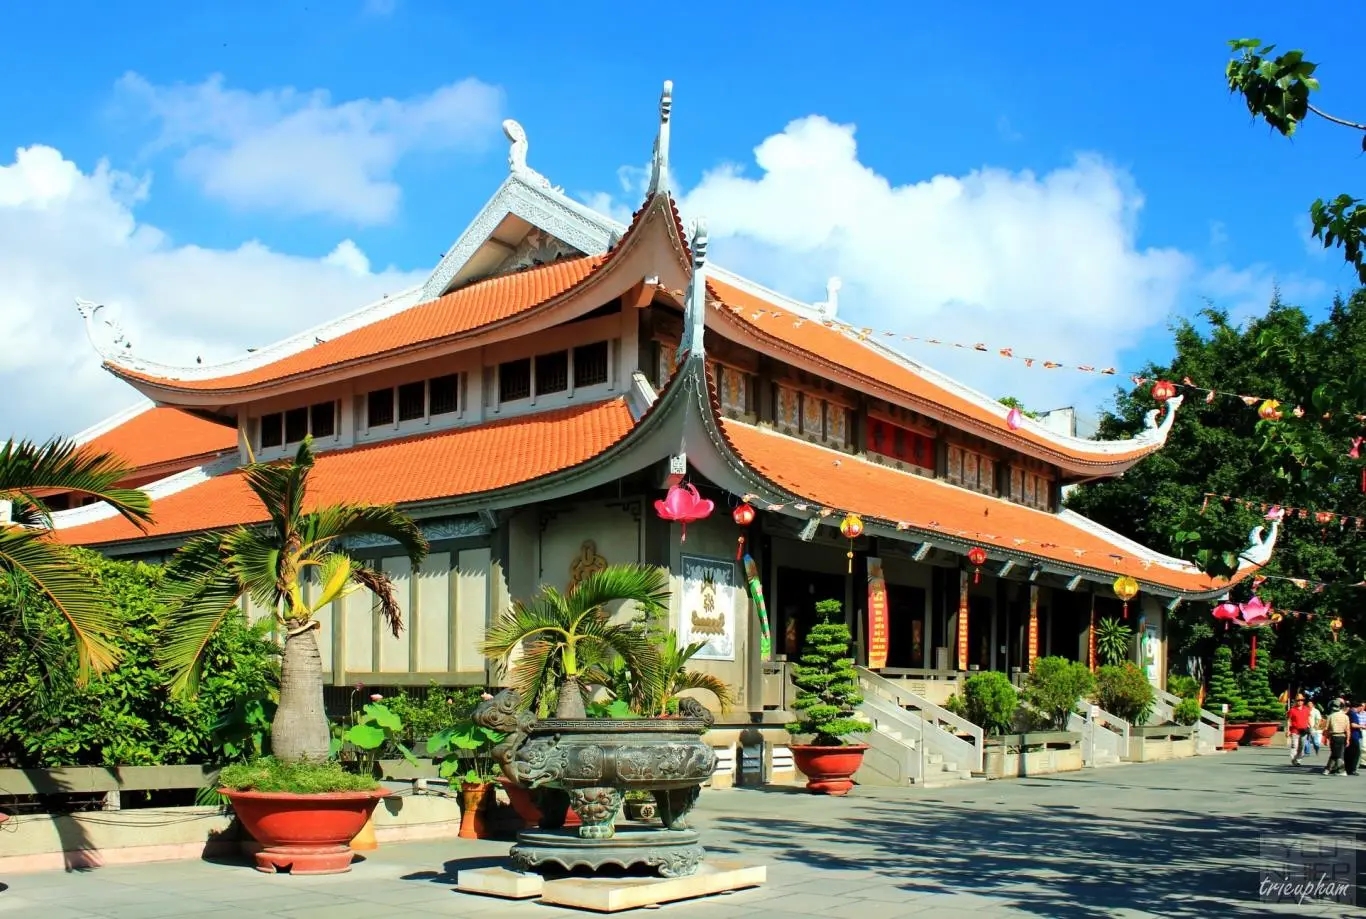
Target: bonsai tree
1055 686
28 473
1112 641
1223 688
210 575
990 701
1256 691
562 635
1124 690
827 684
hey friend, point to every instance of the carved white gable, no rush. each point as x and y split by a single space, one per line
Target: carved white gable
536 248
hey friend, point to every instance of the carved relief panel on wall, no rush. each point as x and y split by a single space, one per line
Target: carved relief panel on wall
586 563
786 410
733 385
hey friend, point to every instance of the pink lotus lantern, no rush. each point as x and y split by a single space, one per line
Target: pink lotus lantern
1255 612
1227 611
684 505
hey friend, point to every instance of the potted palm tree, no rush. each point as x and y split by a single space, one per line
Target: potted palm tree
28 474
827 694
303 808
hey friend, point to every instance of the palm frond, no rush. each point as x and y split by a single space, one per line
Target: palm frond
281 487
647 586
523 621
382 586
61 465
199 593
254 557
340 520
692 679
50 567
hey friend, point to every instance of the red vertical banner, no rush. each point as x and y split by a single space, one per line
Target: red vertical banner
963 585
1033 626
1091 637
877 615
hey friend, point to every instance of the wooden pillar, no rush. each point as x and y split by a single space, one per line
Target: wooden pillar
963 619
1033 643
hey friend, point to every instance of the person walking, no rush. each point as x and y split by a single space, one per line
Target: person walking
1357 714
1311 739
1339 726
1297 726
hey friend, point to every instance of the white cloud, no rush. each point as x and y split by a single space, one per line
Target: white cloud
65 233
301 153
1046 264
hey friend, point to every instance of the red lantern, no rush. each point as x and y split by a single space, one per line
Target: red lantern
977 555
684 505
743 517
1163 390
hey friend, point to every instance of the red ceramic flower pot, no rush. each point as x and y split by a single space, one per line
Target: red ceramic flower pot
829 770
1260 733
1233 735
304 834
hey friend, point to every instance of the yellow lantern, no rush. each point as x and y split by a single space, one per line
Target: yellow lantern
852 528
1336 626
1270 410
1126 588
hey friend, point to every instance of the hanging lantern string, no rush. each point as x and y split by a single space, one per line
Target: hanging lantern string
1021 543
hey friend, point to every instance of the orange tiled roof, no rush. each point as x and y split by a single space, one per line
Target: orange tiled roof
163 435
830 344
460 311
847 483
446 464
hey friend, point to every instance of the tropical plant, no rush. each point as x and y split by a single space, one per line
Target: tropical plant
561 635
1182 686
1112 640
991 701
1223 689
270 774
1124 690
1187 711
1255 687
466 750
1055 686
826 681
28 472
374 730
211 574
675 678
425 713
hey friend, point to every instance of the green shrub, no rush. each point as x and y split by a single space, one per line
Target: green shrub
1112 641
991 702
826 681
425 714
954 705
1223 689
1186 712
126 717
1124 690
1056 685
270 774
1182 686
1256 691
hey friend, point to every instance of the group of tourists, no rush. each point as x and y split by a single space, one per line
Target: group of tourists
1340 731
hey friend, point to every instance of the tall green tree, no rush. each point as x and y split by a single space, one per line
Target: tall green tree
1224 447
1279 91
210 575
29 475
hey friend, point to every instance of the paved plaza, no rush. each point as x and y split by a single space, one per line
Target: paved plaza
1164 839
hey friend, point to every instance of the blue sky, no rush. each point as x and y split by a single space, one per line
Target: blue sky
1205 203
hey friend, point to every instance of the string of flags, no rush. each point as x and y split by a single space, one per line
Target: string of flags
1268 407
1285 512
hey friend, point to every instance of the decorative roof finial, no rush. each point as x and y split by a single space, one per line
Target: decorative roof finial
516 136
832 298
106 342
695 300
659 166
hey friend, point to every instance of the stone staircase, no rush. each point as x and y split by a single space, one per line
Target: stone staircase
914 741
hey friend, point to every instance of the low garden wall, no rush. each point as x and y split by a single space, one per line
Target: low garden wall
1009 756
1152 743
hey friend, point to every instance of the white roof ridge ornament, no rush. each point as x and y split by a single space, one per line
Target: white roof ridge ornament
695 300
832 298
1260 546
517 147
659 163
106 336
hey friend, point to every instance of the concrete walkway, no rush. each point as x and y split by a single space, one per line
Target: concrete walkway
1164 839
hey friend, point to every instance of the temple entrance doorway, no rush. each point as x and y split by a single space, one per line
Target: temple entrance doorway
798 591
905 626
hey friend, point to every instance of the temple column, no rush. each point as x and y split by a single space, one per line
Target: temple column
963 583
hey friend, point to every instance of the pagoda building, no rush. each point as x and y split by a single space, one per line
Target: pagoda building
558 372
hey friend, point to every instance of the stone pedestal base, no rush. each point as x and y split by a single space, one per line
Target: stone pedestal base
499 882
673 853
304 859
610 895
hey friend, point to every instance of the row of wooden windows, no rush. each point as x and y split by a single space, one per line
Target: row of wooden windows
293 425
547 374
411 401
